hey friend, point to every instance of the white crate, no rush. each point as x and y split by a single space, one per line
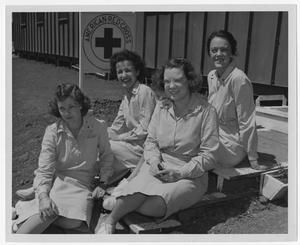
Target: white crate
271 186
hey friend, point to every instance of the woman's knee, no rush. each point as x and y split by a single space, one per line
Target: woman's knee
67 223
34 224
153 206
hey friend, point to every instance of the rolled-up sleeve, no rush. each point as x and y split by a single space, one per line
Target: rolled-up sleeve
152 153
47 161
245 109
119 122
206 158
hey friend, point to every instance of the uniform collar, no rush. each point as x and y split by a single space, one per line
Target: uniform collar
193 107
227 72
63 128
136 88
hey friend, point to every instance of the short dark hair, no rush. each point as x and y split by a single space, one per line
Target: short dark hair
136 60
226 35
187 68
64 91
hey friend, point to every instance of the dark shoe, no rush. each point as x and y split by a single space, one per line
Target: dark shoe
26 194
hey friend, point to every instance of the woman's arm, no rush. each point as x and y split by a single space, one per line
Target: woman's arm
152 154
105 153
118 124
46 163
206 158
245 108
44 174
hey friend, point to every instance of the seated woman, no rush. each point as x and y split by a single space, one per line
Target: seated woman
231 93
70 149
129 129
179 149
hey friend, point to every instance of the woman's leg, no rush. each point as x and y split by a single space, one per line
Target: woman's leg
67 223
124 206
151 206
35 225
154 206
126 157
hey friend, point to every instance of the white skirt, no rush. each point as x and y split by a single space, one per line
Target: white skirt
177 195
71 199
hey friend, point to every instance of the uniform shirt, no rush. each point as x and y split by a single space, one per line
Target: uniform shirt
76 158
134 114
232 96
188 143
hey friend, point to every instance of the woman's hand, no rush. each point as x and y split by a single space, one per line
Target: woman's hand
112 135
97 193
168 175
255 165
155 167
47 207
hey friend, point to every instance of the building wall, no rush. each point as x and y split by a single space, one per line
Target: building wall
261 36
262 39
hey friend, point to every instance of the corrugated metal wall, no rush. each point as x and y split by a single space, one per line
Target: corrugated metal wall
48 35
262 39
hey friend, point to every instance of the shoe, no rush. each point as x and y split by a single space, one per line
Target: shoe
14 226
106 229
256 166
109 202
13 213
103 227
26 194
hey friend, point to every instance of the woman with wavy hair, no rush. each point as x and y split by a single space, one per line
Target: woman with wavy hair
74 149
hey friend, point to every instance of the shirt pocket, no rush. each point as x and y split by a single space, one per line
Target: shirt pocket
228 112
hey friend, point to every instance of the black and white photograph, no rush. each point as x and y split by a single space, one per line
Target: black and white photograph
155 123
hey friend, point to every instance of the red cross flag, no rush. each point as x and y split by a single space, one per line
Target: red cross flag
103 34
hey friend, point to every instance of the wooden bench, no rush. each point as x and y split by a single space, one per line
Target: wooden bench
230 174
272 151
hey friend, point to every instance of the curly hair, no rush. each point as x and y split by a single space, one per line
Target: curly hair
64 91
187 68
227 36
136 60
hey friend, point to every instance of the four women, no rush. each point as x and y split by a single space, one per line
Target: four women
185 138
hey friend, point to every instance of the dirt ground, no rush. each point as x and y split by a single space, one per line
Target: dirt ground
32 86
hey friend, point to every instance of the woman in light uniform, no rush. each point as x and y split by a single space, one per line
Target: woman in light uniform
129 129
231 93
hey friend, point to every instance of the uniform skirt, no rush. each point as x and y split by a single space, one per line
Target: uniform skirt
177 195
72 200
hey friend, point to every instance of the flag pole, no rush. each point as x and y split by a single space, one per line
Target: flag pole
80 54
